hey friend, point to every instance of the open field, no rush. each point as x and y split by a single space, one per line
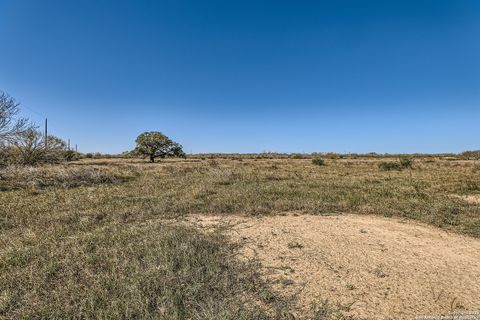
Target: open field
107 237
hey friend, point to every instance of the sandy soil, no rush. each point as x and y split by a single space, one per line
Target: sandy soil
370 267
473 198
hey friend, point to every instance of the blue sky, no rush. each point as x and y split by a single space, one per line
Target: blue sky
249 75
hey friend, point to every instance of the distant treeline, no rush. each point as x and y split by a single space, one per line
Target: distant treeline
467 155
332 155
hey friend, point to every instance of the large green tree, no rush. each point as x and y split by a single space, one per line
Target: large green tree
155 144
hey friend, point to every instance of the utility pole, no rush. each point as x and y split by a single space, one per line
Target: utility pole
46 133
68 144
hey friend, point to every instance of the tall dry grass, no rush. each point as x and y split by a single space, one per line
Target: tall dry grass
60 176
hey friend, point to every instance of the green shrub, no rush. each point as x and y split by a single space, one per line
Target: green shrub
403 163
406 163
297 156
388 166
70 155
318 161
471 155
470 185
332 155
213 162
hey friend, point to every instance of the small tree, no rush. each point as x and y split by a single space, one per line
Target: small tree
30 148
10 124
155 144
56 150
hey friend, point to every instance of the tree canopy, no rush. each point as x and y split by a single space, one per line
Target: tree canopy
155 144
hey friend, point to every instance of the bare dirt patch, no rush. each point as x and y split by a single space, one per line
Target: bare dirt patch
472 198
370 267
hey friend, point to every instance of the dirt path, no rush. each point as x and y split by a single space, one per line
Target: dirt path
371 267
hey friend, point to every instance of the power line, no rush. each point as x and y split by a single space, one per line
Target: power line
36 112
46 127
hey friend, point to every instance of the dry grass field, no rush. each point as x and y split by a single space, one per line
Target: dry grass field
114 238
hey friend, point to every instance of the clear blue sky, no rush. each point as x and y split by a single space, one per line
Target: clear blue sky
249 75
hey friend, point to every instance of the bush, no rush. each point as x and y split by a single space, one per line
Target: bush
403 163
70 155
406 163
213 162
471 155
318 161
6 156
297 156
29 149
332 155
388 166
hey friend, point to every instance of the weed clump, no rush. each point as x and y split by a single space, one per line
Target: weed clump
403 163
389 166
297 156
406 163
318 162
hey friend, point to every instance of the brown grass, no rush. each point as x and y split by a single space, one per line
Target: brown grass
60 176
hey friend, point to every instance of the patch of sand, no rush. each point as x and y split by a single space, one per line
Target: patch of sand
472 198
371 267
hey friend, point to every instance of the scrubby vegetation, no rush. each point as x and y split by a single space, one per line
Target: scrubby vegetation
318 161
403 163
98 237
61 176
11 124
406 163
471 155
387 166
22 144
